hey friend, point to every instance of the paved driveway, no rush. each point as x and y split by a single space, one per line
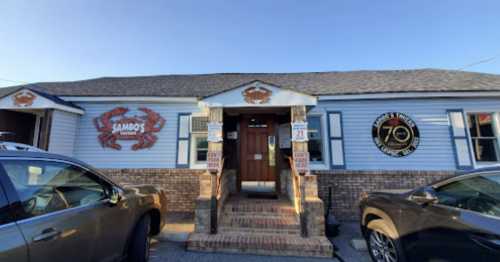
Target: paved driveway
175 251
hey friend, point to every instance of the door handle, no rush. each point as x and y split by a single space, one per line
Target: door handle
47 234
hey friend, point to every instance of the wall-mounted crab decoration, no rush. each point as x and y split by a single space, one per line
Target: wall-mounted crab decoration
257 95
114 125
23 98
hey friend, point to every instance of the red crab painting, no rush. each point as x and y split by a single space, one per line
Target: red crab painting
114 125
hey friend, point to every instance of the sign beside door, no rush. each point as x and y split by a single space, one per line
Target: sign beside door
214 161
214 132
299 132
301 160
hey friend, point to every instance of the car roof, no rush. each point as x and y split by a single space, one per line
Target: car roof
45 155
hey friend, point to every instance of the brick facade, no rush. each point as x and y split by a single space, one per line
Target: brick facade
347 186
182 185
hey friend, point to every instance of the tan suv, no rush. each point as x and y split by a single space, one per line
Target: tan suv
55 208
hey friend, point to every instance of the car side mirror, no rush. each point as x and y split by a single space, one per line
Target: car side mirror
114 196
424 196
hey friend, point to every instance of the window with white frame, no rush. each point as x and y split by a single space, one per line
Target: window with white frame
200 149
315 143
483 130
199 143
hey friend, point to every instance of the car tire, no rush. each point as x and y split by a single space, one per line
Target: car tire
381 246
141 240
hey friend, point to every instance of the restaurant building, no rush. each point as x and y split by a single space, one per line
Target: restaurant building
295 135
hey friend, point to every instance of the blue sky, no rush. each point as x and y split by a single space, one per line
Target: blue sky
70 40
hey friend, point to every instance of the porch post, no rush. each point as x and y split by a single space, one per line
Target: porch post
215 115
298 114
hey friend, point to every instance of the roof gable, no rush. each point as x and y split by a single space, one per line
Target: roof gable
258 94
26 98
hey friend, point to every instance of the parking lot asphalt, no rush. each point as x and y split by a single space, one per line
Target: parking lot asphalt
175 251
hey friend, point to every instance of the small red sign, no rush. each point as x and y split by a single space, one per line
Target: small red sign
213 161
114 125
301 160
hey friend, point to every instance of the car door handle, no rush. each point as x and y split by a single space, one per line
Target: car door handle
47 234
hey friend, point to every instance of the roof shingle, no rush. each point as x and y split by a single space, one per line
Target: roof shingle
319 83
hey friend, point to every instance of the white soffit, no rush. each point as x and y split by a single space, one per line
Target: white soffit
258 94
26 99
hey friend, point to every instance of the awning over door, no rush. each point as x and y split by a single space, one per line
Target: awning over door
258 94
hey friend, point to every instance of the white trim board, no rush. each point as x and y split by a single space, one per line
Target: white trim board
488 94
129 99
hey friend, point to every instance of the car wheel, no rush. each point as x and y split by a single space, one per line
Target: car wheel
141 240
381 246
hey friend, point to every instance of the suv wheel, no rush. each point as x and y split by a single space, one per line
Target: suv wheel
381 246
139 247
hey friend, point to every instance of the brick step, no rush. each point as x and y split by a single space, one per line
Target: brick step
279 245
253 208
256 215
260 231
287 223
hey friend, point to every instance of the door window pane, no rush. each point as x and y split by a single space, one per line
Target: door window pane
44 187
315 143
478 193
484 141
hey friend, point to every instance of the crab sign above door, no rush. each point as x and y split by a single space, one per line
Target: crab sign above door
258 94
114 125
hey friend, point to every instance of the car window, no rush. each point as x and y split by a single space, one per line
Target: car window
4 206
44 187
479 193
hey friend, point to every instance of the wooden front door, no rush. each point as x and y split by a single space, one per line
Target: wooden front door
258 160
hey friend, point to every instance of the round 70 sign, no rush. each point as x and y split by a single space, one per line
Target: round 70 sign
395 134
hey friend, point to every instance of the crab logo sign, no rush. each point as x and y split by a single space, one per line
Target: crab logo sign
23 98
114 125
257 95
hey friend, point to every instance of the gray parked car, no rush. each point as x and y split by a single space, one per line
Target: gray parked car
55 208
456 219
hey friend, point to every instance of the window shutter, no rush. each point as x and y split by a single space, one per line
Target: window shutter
460 139
336 140
183 137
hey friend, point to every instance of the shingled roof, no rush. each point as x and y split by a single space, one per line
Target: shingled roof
318 83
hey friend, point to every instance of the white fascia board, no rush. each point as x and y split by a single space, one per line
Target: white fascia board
410 95
129 99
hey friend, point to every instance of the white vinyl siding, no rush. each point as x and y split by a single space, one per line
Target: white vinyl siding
436 149
162 154
63 133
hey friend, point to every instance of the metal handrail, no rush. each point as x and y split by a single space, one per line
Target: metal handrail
299 205
295 183
220 173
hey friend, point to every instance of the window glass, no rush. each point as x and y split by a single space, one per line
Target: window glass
315 143
44 187
484 141
4 206
478 193
201 149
